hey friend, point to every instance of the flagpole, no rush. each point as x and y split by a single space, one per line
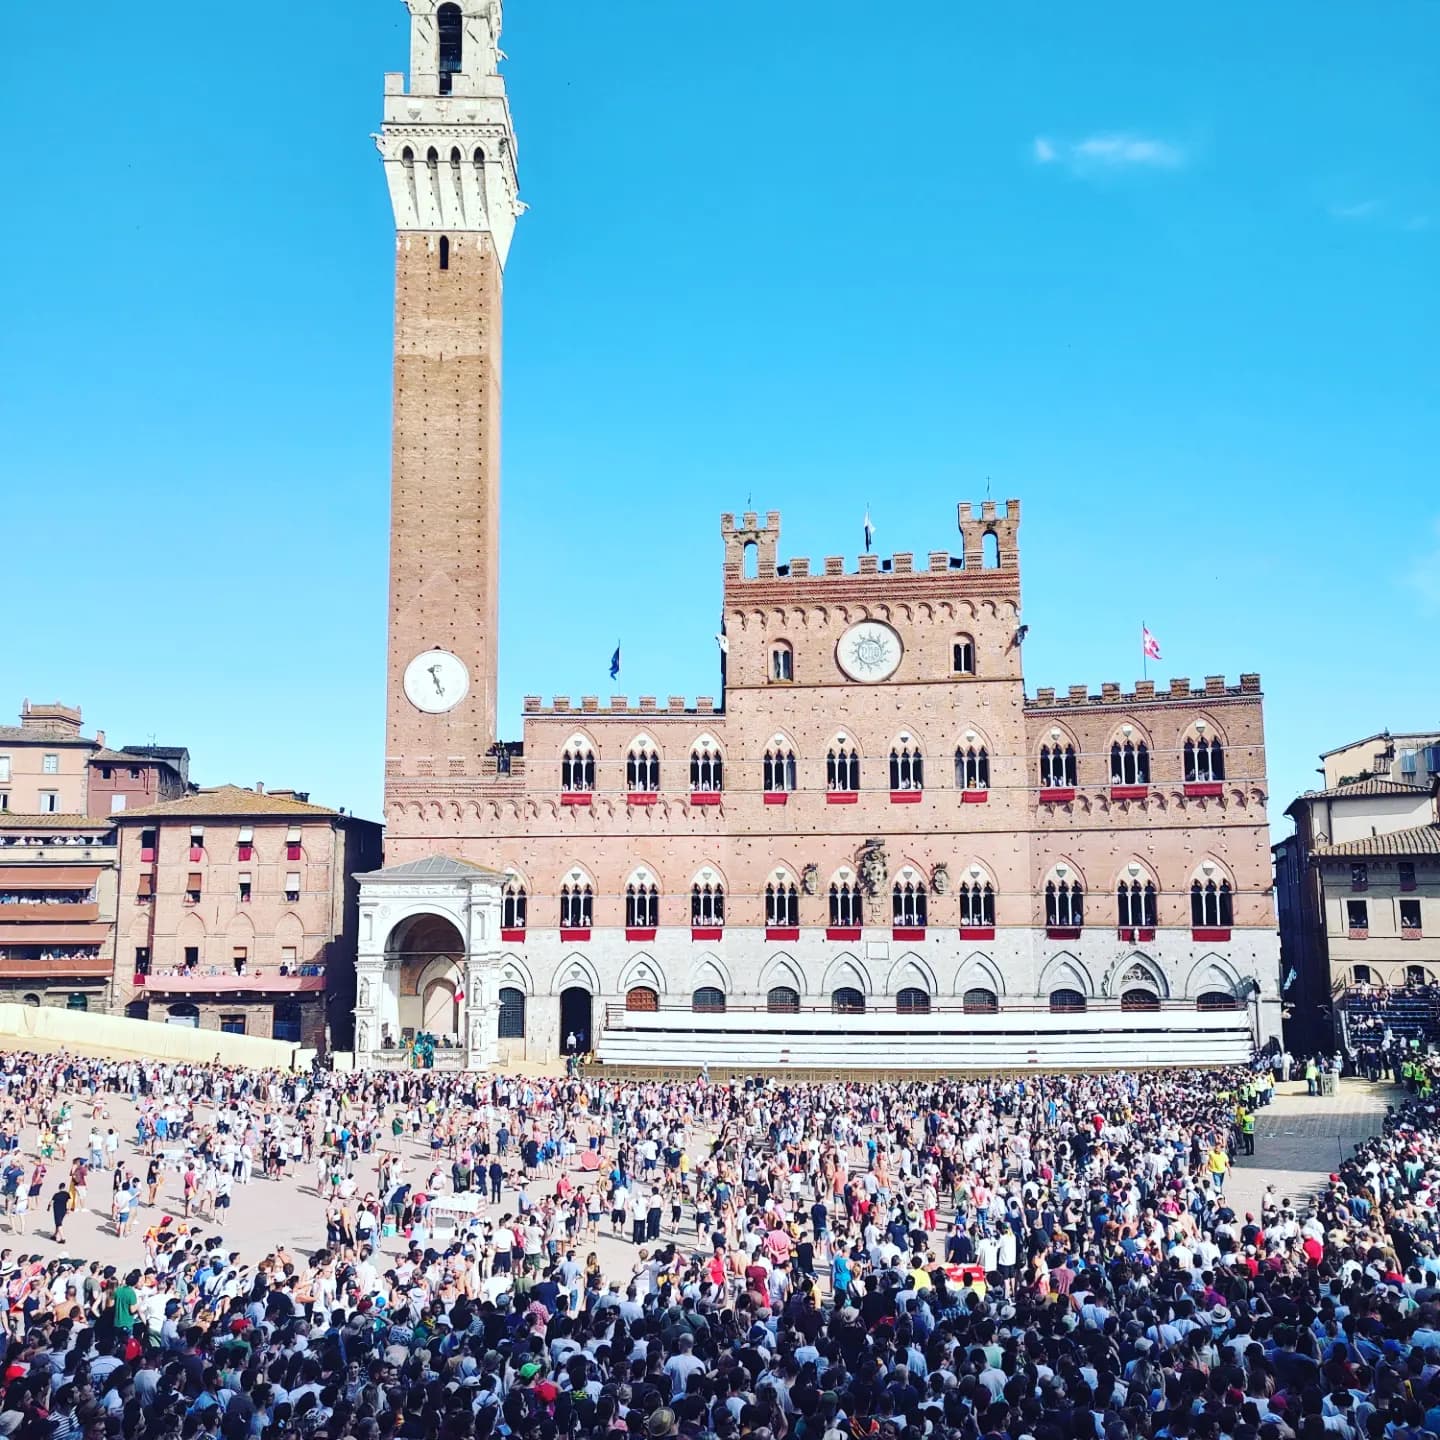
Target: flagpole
1144 655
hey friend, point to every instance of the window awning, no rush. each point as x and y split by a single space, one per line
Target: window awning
292 880
147 884
48 877
244 877
53 934
247 835
196 830
194 881
292 835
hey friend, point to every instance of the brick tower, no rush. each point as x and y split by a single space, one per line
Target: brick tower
449 153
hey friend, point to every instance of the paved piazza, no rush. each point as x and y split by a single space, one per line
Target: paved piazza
1299 1140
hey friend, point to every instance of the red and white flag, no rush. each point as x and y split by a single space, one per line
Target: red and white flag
1151 644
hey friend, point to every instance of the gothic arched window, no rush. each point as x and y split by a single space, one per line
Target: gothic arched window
845 905
907 903
907 765
513 905
444 252
1212 906
972 767
977 905
1064 905
577 904
706 767
782 905
1135 905
451 25
779 768
1130 763
842 767
1057 766
642 768
962 655
577 767
642 905
1204 760
707 904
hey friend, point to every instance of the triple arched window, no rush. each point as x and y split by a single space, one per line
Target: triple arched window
1057 766
577 905
1130 763
1212 906
642 768
779 768
1135 905
842 767
907 766
577 767
782 904
513 901
977 904
642 905
1204 760
706 767
707 904
1064 904
972 767
846 908
907 902
962 655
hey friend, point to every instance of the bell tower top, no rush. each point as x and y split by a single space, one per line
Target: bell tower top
448 142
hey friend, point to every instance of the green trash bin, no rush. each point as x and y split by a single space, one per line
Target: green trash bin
1327 1082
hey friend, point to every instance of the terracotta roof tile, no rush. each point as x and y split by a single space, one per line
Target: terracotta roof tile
1366 787
96 824
225 800
38 735
1422 841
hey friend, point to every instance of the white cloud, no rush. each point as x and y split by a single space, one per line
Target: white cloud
1418 222
1108 153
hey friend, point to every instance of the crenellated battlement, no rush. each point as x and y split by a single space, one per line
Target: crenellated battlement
993 520
647 706
1145 693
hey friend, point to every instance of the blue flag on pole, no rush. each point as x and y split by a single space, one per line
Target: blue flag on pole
615 662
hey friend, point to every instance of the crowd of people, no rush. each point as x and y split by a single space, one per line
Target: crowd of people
1036 1258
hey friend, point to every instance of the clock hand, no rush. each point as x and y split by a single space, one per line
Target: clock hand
435 676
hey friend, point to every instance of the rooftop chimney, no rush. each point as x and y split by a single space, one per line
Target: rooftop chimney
259 787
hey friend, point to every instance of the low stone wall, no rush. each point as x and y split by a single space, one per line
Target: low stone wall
30 1027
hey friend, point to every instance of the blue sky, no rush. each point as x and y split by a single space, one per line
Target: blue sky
1169 274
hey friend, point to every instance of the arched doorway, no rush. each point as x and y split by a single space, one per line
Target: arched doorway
425 956
138 1010
641 997
439 1009
577 1035
184 1014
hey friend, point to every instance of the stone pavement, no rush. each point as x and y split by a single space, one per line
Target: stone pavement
1301 1139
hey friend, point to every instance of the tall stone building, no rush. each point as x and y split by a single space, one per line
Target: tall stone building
873 837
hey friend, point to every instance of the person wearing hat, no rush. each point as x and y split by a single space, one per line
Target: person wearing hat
661 1423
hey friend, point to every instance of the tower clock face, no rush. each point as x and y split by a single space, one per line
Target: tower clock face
436 681
869 652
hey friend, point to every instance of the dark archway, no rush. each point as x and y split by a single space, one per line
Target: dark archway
577 1008
1139 1000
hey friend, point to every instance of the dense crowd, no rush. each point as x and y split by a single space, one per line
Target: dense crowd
1044 1258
